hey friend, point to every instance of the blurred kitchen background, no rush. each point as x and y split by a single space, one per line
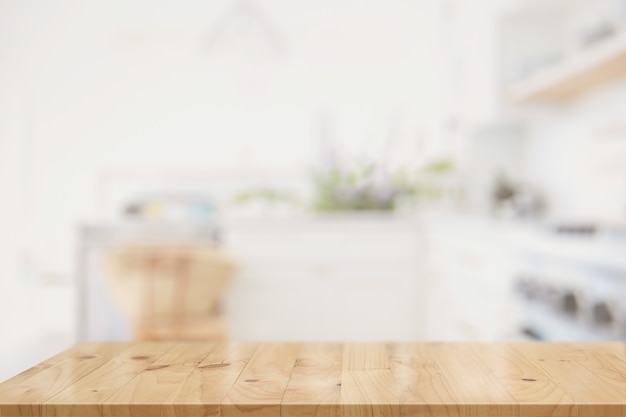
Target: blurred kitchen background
311 170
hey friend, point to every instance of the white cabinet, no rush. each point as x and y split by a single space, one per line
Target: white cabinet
558 51
325 278
469 280
342 278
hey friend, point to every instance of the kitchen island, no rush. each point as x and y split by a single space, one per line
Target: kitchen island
323 379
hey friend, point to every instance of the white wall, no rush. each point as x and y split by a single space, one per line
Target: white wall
578 157
576 151
96 86
90 88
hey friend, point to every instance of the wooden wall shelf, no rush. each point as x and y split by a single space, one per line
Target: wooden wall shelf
577 74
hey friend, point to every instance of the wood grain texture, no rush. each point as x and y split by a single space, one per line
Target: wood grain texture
324 380
368 387
314 389
205 389
565 364
84 398
157 384
527 383
260 388
26 393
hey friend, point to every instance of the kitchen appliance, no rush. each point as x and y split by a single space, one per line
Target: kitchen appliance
571 283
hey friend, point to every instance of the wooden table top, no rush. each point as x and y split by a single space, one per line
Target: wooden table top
324 379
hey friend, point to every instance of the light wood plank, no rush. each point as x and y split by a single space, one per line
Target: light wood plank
366 356
529 385
50 362
156 384
260 388
419 383
26 393
84 398
324 380
608 363
470 387
314 389
204 390
368 386
576 75
563 362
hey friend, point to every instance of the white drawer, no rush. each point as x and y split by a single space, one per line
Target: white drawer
377 273
304 245
322 315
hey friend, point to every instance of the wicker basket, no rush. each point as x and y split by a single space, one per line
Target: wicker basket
157 286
